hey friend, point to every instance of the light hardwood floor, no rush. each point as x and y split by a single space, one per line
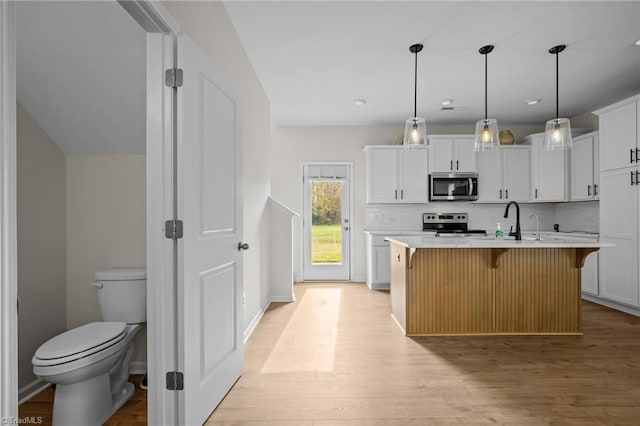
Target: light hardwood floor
335 357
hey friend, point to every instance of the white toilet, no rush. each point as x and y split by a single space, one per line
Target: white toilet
90 364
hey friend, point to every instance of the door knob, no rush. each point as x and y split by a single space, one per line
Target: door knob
243 246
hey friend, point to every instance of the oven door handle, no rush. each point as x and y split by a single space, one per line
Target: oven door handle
470 186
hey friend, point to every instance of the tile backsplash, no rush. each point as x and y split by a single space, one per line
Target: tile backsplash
570 216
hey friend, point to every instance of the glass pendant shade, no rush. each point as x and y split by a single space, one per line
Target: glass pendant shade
557 134
487 134
415 133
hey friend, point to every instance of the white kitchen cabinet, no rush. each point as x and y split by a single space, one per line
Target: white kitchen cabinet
584 167
619 267
504 174
618 134
396 175
378 262
547 170
452 153
619 225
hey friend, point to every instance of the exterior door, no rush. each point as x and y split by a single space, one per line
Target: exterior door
209 192
327 222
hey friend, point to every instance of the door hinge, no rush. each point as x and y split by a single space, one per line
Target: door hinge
173 77
173 229
175 380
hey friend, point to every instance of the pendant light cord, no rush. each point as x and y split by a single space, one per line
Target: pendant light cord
415 87
557 85
485 86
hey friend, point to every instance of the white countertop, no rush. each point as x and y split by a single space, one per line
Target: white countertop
490 242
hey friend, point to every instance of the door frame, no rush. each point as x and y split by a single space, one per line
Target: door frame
160 175
350 174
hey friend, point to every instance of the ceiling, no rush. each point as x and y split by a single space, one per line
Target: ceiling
81 74
315 58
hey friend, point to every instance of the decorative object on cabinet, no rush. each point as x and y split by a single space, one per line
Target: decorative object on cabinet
557 132
487 129
506 137
415 129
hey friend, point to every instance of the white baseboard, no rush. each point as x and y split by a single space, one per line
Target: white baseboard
254 322
359 279
138 367
379 287
27 392
612 305
283 299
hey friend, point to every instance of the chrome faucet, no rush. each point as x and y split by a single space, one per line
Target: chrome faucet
516 234
537 228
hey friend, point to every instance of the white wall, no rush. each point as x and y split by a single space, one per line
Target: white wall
106 222
209 26
292 145
41 209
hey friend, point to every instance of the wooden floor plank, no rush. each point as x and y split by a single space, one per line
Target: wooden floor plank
335 357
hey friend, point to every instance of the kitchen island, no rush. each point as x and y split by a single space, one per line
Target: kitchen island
468 286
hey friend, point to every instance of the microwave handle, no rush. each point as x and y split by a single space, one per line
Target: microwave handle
470 186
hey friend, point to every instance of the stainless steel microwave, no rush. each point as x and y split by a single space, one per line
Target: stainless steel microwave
453 186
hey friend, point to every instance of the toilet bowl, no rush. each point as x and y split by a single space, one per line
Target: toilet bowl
90 364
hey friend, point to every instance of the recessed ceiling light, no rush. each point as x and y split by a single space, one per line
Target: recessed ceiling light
359 102
446 102
637 43
533 101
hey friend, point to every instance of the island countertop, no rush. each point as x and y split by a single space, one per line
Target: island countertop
415 242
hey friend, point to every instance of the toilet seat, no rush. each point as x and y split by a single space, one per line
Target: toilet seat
80 342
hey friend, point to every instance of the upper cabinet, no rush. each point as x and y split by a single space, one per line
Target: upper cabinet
548 181
452 153
504 174
618 129
583 163
396 175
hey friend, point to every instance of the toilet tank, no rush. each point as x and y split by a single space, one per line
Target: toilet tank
122 294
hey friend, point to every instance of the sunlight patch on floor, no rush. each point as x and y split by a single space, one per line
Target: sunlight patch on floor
308 342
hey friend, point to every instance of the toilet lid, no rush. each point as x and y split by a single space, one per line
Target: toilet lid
82 339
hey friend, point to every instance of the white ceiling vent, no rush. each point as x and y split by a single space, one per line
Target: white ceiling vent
452 108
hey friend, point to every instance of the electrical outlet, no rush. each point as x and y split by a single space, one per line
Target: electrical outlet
244 299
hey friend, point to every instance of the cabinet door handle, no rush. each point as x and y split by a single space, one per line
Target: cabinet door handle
501 194
637 174
536 193
506 194
588 190
637 151
595 189
396 194
633 182
458 164
402 194
451 165
631 155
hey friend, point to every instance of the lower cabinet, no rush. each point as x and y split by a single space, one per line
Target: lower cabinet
378 265
590 275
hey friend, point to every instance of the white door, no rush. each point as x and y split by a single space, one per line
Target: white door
382 175
414 176
327 221
490 175
210 348
582 170
441 155
465 155
619 225
516 174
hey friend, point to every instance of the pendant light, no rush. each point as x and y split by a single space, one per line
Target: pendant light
415 129
487 129
557 132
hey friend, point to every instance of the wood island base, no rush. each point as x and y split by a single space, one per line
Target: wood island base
471 291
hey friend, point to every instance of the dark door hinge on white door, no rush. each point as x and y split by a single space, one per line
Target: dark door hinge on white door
173 229
173 77
175 380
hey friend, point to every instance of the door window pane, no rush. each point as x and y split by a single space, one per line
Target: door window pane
326 221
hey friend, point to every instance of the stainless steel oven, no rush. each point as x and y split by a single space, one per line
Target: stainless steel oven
453 186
